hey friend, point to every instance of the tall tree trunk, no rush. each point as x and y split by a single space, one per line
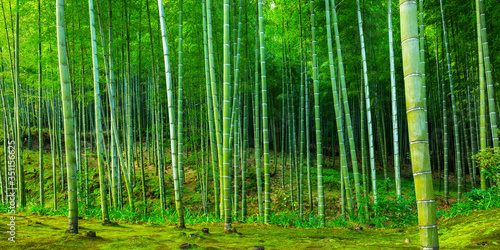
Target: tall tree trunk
417 129
458 161
489 77
482 92
395 131
171 113
180 134
69 129
17 93
256 122
319 149
265 119
98 122
210 111
340 130
226 121
368 106
40 131
215 100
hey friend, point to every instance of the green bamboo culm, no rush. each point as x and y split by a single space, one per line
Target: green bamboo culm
256 122
180 135
235 117
226 122
69 129
364 161
109 73
128 104
210 112
301 119
244 155
171 114
445 137
340 130
417 129
265 119
215 102
319 149
350 133
421 38
40 132
473 136
368 106
236 48
489 77
17 97
458 163
98 122
482 92
394 104
110 81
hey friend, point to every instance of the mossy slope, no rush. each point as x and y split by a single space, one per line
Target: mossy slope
477 230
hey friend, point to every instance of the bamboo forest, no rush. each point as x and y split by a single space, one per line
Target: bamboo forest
249 124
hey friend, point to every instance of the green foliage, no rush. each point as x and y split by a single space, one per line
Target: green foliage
474 200
395 213
489 161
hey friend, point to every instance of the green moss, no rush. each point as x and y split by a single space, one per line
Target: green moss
460 232
477 229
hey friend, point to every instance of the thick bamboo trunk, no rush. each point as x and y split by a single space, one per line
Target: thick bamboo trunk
171 114
69 133
417 126
98 119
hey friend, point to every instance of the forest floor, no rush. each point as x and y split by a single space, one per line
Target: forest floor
44 228
476 230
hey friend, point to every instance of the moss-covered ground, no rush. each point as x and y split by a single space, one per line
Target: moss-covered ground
130 231
476 230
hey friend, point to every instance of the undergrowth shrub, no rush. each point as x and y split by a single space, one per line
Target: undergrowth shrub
393 212
474 200
489 162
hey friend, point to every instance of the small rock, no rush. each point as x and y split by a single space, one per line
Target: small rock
91 234
39 223
359 228
204 230
182 234
258 248
400 231
482 243
371 225
201 238
407 241
193 235
185 246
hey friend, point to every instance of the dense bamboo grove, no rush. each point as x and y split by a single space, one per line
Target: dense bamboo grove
250 104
